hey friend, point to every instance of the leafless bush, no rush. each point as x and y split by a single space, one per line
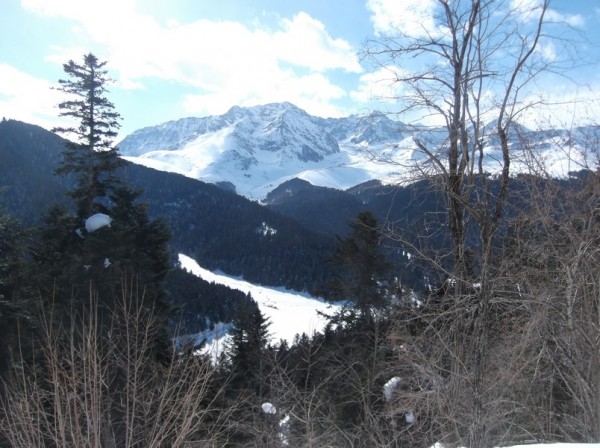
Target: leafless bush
98 385
556 256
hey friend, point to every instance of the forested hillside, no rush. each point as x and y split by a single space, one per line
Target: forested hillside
218 228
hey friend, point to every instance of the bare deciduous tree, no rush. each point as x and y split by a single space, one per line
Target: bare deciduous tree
470 69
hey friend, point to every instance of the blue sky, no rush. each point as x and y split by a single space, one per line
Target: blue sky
177 58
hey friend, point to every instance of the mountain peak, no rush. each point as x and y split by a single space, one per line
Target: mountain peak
251 147
266 111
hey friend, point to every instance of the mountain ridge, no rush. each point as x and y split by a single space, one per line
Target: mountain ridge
263 145
255 149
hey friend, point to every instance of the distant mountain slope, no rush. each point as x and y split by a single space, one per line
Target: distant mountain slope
218 228
28 156
227 232
321 209
257 149
412 211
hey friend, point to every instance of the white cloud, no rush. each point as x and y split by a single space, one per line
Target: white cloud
379 85
23 97
304 33
529 10
414 18
526 5
87 11
313 93
563 107
575 20
555 102
547 51
226 62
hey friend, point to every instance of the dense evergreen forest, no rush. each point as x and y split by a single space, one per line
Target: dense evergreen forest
470 302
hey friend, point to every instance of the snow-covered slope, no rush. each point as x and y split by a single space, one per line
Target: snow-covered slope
257 148
289 312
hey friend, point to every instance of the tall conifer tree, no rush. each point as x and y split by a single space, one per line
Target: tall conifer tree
249 339
119 240
92 158
361 268
13 302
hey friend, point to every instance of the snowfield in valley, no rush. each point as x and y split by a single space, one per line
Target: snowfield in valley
289 312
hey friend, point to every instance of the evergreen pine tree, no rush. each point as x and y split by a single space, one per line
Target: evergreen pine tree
361 268
12 300
246 367
92 157
249 339
102 267
111 241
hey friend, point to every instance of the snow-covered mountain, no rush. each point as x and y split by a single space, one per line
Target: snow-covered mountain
256 149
